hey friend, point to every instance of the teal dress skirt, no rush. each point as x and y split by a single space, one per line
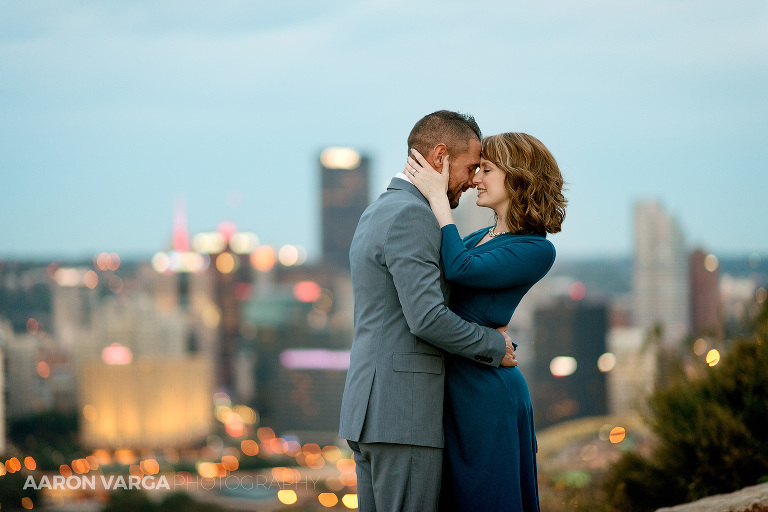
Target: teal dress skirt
490 443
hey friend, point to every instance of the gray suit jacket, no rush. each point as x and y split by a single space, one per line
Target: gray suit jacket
394 387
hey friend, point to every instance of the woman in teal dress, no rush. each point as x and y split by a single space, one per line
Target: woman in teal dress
490 443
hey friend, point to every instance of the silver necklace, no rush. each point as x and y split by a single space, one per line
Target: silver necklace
493 234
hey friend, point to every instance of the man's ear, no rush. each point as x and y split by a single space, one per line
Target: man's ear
437 155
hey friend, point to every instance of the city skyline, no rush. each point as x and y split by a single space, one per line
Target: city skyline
112 113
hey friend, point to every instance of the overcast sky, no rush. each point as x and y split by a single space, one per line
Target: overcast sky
112 111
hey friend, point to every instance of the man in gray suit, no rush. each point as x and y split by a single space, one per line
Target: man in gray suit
392 408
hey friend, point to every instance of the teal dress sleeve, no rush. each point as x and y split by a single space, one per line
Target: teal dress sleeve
504 262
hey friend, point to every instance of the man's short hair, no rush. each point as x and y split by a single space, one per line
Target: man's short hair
453 129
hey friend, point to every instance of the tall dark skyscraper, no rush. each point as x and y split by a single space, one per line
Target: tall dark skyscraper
344 182
570 337
706 311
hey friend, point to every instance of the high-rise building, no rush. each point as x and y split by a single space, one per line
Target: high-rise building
344 184
706 310
660 275
231 285
632 378
570 339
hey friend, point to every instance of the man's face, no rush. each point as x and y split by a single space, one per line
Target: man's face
462 171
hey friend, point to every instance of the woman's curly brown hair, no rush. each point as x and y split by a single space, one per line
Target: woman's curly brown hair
533 182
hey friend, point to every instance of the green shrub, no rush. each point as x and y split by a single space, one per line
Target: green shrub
711 430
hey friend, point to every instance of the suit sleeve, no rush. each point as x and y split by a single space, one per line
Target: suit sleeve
412 253
514 263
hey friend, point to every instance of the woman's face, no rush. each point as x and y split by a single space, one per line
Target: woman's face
491 191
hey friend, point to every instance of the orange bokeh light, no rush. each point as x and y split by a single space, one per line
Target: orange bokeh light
249 447
617 435
12 465
287 497
150 467
307 291
101 261
328 499
225 263
331 453
82 464
263 259
43 369
230 462
93 462
91 279
346 465
114 261
713 357
77 467
265 433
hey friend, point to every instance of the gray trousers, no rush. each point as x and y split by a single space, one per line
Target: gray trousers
397 477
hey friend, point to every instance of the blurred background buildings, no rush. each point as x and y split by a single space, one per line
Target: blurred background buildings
220 335
221 312
226 343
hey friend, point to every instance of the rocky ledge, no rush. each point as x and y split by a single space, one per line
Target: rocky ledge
749 499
